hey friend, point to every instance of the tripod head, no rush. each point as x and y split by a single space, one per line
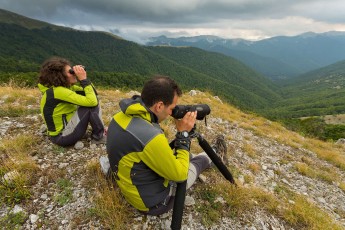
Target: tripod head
193 133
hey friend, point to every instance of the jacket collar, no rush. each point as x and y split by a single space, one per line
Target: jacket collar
135 107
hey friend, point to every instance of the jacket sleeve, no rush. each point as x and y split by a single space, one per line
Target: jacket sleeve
160 158
68 95
80 90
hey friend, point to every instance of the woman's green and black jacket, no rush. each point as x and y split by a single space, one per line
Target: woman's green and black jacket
58 104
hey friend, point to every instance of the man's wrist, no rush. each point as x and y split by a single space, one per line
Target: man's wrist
182 134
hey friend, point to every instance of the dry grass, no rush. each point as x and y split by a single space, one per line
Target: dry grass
338 119
249 149
108 99
17 101
298 213
254 167
316 172
325 150
342 185
16 162
304 215
109 205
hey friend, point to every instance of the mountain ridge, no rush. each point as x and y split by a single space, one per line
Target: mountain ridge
302 52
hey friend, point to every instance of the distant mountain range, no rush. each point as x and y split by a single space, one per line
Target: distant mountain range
278 57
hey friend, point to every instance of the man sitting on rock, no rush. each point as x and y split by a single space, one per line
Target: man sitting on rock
142 163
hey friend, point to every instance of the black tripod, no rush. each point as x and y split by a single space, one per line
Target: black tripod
181 187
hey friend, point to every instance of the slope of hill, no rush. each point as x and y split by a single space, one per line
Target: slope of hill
272 68
102 52
285 181
281 56
248 81
320 92
11 18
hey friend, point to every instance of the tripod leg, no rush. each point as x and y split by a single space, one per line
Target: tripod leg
178 205
215 159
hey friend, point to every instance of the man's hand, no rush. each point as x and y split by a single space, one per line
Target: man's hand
187 122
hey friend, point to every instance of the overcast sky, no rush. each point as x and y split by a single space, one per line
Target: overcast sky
137 20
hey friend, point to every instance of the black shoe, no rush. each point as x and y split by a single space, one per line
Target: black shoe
103 140
86 136
219 146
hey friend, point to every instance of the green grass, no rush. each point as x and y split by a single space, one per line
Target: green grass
10 110
13 220
65 192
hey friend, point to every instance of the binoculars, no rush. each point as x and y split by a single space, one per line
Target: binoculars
71 71
180 110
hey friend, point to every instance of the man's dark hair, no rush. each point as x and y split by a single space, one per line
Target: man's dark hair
160 88
52 72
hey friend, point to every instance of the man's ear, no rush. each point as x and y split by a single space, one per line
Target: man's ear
158 107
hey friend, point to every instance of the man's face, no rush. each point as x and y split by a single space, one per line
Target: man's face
164 111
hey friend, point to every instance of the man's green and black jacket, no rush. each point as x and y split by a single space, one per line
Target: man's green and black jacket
140 157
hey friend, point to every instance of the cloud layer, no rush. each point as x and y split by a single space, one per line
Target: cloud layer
139 19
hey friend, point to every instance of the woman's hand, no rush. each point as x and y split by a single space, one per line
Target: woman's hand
80 72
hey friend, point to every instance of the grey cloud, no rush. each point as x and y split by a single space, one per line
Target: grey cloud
131 18
177 11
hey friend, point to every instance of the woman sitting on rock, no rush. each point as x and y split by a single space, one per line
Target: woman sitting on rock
69 103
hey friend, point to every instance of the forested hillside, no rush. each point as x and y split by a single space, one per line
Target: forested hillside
319 92
109 59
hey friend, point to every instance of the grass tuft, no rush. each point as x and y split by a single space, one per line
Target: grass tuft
113 211
17 169
305 215
13 220
65 193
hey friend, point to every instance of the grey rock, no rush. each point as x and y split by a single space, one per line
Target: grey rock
43 128
189 201
341 141
79 145
16 209
33 218
105 166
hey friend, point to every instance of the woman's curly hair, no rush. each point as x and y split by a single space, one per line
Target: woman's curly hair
52 72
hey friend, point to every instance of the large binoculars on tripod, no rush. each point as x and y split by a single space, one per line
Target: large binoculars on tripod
180 110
